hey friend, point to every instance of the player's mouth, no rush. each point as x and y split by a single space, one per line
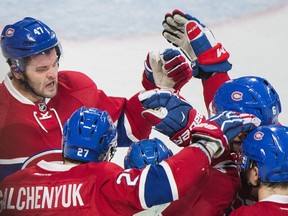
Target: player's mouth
50 85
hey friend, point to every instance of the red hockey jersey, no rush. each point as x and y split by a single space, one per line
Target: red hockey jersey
213 195
272 205
101 188
28 128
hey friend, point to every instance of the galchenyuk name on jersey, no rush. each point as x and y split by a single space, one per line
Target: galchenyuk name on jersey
41 197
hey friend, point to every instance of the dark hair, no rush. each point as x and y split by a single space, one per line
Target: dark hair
281 185
72 160
274 185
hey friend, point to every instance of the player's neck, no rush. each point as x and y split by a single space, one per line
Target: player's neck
66 162
268 191
26 92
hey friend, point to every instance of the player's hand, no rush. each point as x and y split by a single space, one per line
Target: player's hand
197 42
168 70
224 127
170 115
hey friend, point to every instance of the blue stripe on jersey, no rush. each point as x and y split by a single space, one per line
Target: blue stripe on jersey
7 169
157 185
122 140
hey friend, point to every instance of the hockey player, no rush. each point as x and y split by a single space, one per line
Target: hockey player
175 118
85 184
36 98
265 154
209 59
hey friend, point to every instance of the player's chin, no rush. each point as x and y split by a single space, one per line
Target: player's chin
50 93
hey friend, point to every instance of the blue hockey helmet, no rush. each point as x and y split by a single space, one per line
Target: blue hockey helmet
145 152
267 146
25 38
88 135
249 94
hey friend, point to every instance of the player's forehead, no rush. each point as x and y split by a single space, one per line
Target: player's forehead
46 58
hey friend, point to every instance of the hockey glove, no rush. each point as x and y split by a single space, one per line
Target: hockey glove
167 70
170 115
222 128
197 42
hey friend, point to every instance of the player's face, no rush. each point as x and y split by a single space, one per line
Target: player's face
41 74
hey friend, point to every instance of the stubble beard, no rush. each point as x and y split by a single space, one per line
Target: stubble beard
26 83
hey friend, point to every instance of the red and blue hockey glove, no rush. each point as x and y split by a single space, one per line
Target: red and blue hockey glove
167 70
197 42
170 115
222 128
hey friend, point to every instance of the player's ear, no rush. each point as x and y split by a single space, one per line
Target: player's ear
17 73
253 177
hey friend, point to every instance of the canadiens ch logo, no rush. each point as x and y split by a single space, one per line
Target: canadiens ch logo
47 155
9 32
237 96
259 135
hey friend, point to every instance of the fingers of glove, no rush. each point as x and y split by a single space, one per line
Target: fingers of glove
238 123
176 66
180 73
173 32
179 15
173 24
228 121
155 98
175 106
174 38
234 123
179 18
250 121
173 62
177 11
167 127
170 54
176 120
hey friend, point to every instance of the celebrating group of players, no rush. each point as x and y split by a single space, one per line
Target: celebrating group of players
58 132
